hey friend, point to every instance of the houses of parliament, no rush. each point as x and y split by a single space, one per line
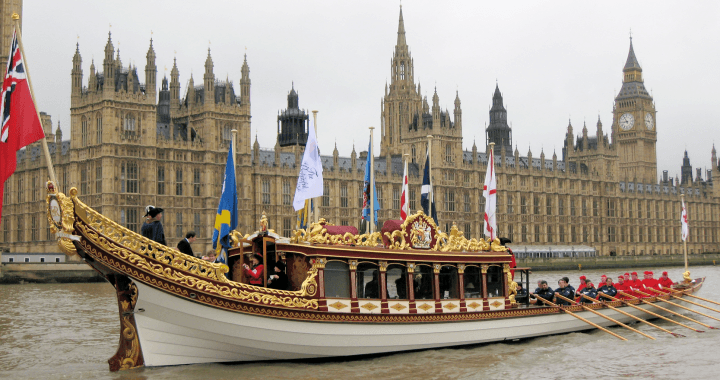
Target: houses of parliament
135 143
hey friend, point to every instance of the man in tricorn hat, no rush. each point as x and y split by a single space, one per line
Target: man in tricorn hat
152 228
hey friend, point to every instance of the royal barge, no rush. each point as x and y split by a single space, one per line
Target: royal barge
410 287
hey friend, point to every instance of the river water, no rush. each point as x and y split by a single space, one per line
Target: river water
68 331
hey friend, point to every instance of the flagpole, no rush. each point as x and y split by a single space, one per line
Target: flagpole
51 171
431 195
682 199
372 183
313 203
407 188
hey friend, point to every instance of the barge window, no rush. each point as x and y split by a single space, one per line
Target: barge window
424 282
448 282
368 281
494 279
337 280
397 282
473 282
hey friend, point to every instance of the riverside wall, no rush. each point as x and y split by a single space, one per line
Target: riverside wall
16 273
621 262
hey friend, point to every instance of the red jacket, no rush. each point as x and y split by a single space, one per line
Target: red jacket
255 276
651 283
665 282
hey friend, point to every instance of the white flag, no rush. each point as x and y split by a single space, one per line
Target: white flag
684 222
404 207
490 194
310 179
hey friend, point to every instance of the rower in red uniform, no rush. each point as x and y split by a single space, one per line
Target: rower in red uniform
603 280
650 282
633 283
627 277
621 286
665 282
581 286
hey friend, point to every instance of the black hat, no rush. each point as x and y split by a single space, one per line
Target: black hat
152 211
504 240
280 265
258 256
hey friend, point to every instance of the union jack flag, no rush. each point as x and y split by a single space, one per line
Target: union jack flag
20 122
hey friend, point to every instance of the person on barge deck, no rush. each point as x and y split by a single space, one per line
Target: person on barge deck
255 274
566 290
544 292
589 290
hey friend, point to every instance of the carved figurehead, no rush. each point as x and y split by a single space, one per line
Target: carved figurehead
263 222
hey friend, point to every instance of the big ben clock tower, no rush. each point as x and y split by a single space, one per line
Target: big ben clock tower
634 126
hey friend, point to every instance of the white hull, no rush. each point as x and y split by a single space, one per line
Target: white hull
175 331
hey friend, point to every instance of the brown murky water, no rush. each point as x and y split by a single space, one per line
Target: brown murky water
68 331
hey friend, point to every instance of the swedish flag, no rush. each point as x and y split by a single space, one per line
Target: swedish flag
226 219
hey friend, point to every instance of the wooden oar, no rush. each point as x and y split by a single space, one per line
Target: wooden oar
702 299
664 309
637 318
578 317
654 314
672 294
604 316
680 306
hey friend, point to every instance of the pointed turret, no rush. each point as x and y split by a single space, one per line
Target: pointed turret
245 83
498 131
109 65
77 73
401 30
209 80
191 91
457 112
92 79
150 73
714 158
174 86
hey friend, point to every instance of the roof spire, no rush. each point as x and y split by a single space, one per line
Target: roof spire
632 62
401 30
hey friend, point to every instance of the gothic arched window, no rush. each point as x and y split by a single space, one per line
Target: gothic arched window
402 70
129 123
448 153
84 131
98 121
412 153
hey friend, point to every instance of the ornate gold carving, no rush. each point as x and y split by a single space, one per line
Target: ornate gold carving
450 306
61 215
369 306
338 305
398 307
320 263
506 268
383 266
353 264
484 268
436 267
425 307
129 353
420 237
496 303
461 268
474 305
263 222
686 277
411 267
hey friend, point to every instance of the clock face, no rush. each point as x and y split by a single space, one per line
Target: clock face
649 122
627 121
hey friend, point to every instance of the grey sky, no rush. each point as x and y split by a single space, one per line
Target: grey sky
553 61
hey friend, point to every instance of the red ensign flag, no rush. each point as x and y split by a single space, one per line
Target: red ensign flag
20 123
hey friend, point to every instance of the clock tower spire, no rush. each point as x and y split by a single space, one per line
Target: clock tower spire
634 125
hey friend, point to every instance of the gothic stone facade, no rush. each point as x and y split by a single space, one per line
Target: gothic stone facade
127 150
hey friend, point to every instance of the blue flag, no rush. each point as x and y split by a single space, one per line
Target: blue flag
366 190
427 196
226 219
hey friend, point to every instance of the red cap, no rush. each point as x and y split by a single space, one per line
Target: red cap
603 276
621 278
665 274
650 272
634 273
627 274
582 277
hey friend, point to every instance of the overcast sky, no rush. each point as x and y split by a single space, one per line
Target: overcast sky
553 61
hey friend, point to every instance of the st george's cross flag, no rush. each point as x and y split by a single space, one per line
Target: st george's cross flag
20 123
684 222
404 207
490 194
